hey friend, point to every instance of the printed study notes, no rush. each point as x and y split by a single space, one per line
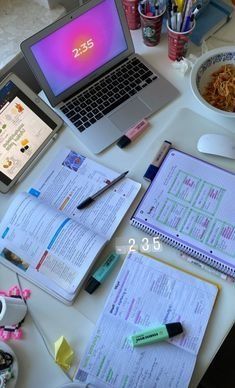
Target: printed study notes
43 235
166 295
190 205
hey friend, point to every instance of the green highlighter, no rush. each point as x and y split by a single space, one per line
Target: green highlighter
160 333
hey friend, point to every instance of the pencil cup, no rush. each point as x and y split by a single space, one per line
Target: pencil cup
151 27
132 13
12 310
178 43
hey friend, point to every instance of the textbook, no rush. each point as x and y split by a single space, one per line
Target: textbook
166 295
190 206
45 238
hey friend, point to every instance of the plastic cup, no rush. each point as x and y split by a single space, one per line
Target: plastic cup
178 43
132 13
151 28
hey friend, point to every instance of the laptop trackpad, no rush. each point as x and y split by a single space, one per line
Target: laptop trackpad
128 115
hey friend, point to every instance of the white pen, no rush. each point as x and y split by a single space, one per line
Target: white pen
173 22
196 10
207 268
179 21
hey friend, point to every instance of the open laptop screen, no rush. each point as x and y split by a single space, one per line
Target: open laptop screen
81 46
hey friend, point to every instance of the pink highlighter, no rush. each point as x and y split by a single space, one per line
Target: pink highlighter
133 133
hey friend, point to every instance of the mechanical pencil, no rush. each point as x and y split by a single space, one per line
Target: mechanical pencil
91 199
158 334
154 166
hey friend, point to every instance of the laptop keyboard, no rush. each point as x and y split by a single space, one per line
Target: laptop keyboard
105 95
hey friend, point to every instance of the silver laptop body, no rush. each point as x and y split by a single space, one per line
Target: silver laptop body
112 51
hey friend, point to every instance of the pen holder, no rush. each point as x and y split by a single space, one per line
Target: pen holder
12 310
132 13
178 42
151 27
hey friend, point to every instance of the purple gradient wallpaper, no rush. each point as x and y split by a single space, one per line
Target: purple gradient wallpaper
80 47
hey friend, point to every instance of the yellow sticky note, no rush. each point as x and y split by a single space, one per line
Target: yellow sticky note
63 353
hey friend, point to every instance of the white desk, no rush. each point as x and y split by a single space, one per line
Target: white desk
76 322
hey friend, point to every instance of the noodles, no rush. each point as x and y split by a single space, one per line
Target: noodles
220 91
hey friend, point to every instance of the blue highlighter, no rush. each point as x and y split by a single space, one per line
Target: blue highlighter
102 272
154 166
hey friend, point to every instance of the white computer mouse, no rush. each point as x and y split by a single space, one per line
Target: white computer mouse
216 144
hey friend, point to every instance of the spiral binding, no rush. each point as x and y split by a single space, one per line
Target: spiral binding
184 248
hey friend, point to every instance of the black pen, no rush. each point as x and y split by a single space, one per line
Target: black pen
91 199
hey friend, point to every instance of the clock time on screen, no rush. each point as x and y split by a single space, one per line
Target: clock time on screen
83 48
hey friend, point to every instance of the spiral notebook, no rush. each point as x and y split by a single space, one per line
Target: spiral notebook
190 206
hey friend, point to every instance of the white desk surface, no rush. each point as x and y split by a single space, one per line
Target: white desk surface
76 322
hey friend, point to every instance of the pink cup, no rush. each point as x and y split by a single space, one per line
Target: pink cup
178 43
151 28
132 13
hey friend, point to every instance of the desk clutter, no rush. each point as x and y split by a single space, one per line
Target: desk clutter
187 21
153 323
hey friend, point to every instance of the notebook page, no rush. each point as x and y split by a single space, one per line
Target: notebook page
145 294
192 202
71 178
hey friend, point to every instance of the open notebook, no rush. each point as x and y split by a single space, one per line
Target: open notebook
190 205
166 295
45 238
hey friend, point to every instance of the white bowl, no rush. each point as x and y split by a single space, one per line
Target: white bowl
207 64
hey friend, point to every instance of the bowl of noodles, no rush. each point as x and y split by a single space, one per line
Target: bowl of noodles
213 80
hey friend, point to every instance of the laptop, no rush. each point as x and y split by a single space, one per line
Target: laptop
86 64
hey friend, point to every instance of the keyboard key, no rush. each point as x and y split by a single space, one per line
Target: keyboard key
70 114
99 116
80 127
87 124
75 118
78 123
64 109
81 98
